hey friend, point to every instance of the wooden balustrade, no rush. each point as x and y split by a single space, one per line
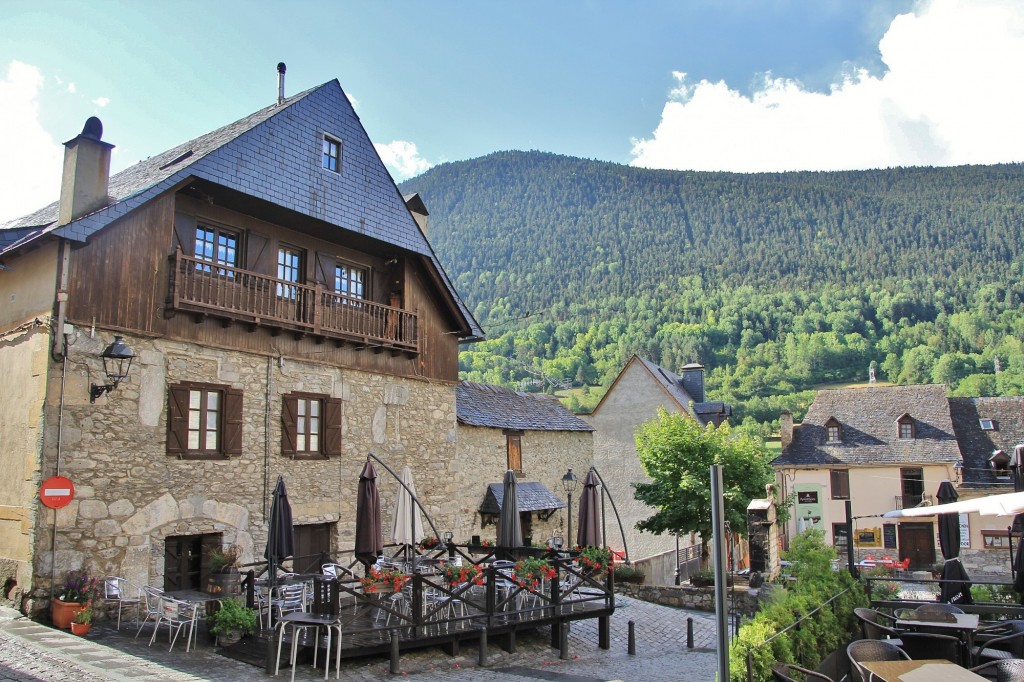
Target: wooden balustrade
203 287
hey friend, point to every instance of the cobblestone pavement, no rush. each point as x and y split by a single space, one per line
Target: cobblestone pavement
32 651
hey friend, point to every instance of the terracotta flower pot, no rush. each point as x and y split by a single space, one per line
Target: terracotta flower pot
80 629
63 612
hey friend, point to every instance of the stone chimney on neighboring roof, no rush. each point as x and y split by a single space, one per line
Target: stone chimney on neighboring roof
693 381
83 187
786 428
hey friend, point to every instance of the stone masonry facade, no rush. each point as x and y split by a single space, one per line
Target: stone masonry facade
131 494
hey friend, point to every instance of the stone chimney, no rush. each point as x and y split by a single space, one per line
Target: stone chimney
418 209
693 381
83 187
786 427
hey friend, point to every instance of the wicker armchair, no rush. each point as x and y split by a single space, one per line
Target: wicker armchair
877 625
1007 642
924 645
1010 670
871 650
787 672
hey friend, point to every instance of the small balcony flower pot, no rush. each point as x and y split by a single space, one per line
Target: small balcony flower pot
80 629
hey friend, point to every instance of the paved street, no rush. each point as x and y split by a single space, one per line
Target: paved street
32 651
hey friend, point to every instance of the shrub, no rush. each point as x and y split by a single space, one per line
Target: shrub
233 616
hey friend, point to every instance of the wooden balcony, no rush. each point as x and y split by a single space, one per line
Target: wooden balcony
199 287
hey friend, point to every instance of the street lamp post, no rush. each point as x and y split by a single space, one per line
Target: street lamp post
569 484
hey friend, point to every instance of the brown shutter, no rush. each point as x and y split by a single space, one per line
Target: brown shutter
289 424
258 255
184 234
177 420
332 427
515 453
231 439
323 270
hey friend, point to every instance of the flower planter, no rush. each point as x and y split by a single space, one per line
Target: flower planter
224 584
229 639
80 629
63 612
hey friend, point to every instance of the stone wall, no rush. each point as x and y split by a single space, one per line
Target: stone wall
689 597
131 494
546 456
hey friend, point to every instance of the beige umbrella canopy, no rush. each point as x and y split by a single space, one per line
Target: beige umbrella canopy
407 528
1006 504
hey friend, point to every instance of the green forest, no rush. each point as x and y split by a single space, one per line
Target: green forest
776 282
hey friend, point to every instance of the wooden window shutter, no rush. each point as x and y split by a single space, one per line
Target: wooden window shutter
258 255
289 424
177 420
331 441
231 439
184 234
323 270
515 452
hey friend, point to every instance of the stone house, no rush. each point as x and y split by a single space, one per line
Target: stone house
889 447
287 315
534 435
635 396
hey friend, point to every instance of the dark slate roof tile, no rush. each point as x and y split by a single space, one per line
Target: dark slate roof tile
501 408
869 436
530 496
977 445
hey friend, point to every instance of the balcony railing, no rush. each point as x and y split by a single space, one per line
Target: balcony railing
908 501
200 286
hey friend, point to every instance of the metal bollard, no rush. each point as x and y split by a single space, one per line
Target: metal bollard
482 658
394 667
689 632
563 642
631 646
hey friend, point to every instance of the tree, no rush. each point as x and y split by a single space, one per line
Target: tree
677 453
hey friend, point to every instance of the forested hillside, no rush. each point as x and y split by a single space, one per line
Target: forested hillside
776 282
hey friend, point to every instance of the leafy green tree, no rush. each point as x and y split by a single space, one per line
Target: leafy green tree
677 453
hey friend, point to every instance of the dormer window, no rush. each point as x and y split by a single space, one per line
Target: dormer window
905 427
987 424
1000 463
332 154
833 431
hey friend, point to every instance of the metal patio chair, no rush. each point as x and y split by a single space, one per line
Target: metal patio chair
119 591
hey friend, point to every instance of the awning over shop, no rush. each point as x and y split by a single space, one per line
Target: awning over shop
531 496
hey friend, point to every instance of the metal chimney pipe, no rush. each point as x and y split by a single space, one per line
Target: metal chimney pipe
280 82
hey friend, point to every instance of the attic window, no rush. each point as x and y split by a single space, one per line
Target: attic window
1000 463
905 427
332 154
987 425
176 160
833 431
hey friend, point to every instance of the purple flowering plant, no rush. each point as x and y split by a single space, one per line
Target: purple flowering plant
79 587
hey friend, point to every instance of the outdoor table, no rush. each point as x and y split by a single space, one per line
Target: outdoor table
966 623
919 671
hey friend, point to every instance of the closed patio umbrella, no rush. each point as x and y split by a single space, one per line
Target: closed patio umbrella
407 526
369 536
281 534
510 531
588 533
956 586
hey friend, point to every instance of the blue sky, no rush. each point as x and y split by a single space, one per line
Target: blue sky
740 85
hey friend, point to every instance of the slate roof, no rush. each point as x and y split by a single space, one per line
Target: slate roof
501 408
269 155
704 412
530 496
869 433
977 445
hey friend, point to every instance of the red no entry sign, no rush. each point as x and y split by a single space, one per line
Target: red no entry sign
56 492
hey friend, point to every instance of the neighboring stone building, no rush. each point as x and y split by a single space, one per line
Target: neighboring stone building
889 447
287 316
636 395
530 433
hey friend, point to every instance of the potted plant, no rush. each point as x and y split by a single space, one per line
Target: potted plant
429 542
82 622
384 580
232 621
596 559
77 592
224 565
628 574
458 575
531 571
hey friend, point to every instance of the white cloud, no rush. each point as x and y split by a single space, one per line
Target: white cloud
33 179
71 88
101 101
950 96
402 159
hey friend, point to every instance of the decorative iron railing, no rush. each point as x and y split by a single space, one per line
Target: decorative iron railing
200 286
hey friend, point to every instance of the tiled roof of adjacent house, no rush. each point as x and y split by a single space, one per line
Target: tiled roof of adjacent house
977 444
530 496
867 417
501 408
270 155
